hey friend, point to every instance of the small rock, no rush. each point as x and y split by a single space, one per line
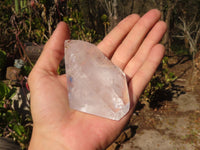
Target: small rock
33 51
13 73
18 63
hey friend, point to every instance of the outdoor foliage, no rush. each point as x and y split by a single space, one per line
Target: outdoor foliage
160 86
11 122
2 63
24 21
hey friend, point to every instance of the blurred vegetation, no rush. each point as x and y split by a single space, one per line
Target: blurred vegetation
24 21
2 63
160 87
33 21
12 124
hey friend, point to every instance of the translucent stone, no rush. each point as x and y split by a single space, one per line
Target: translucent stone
95 85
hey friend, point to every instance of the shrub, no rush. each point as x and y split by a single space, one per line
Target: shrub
12 124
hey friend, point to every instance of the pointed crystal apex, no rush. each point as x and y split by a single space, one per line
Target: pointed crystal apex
95 85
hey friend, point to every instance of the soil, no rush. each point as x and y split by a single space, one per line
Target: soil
175 124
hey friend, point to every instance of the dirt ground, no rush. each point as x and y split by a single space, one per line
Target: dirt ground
175 125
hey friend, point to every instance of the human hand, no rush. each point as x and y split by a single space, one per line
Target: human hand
132 45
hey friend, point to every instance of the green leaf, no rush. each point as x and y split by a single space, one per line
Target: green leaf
19 129
11 93
26 70
4 90
75 27
2 59
70 19
104 18
65 19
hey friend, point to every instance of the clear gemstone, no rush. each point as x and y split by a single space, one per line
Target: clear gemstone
95 85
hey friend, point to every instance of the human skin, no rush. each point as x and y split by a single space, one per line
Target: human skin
133 45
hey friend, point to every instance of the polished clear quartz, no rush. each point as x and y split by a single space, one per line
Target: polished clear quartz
95 85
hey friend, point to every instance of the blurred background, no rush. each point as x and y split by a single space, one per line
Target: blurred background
26 25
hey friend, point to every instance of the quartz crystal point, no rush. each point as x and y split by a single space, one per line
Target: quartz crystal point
95 85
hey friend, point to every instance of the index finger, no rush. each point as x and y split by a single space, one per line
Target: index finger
115 37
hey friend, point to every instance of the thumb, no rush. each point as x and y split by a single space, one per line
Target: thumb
53 51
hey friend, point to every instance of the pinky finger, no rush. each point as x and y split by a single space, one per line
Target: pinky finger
145 73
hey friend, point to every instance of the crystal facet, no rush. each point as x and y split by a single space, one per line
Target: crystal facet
95 85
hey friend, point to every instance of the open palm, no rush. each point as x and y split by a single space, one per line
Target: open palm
132 45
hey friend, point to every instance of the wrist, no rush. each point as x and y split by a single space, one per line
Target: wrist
45 142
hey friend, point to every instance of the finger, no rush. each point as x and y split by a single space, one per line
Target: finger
135 37
154 36
114 38
53 51
145 73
